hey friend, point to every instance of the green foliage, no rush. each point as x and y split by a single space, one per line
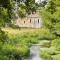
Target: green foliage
22 12
45 54
3 36
56 57
19 50
51 17
57 2
53 52
21 40
56 44
51 7
30 37
30 6
4 18
56 21
7 4
43 3
46 18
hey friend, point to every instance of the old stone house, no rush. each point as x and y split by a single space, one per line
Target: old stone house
32 21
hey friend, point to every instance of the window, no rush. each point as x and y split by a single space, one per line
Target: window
30 20
24 22
38 20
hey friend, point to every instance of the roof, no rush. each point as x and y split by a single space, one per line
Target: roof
33 16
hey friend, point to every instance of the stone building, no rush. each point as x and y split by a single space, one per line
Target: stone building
30 21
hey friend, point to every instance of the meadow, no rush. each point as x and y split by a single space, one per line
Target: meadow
20 40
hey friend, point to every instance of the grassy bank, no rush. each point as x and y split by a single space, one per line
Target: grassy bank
20 40
53 52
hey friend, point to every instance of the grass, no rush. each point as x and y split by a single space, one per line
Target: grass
53 52
24 38
28 36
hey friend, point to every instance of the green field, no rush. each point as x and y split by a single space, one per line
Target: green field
19 41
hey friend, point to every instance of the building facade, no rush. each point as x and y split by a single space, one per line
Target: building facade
30 21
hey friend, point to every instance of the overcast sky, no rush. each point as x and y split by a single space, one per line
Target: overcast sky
38 0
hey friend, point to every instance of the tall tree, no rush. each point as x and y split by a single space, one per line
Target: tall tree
51 7
30 5
52 17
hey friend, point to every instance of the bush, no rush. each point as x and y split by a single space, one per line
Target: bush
15 51
56 44
45 55
3 36
56 57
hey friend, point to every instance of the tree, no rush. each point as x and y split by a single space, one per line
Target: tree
51 16
43 3
51 7
5 7
30 6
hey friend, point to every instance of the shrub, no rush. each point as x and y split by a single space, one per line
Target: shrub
45 54
15 51
56 44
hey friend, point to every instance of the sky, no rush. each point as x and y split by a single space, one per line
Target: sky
38 0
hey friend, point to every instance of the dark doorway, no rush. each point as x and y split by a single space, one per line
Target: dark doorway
38 20
24 22
30 20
